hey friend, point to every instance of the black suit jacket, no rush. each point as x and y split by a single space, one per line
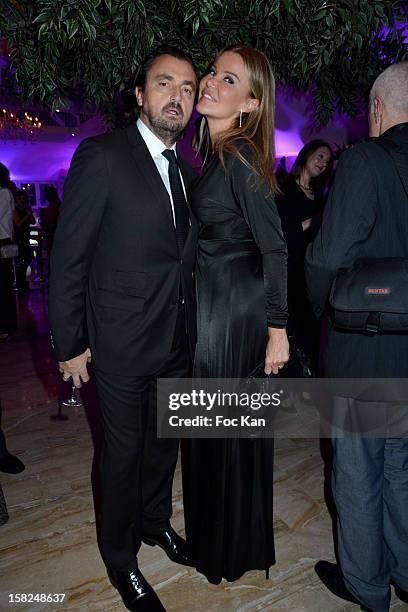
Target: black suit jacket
115 271
366 216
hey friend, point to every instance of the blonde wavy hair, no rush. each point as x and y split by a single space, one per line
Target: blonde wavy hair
258 126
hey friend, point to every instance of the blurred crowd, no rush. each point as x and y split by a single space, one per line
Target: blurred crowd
16 252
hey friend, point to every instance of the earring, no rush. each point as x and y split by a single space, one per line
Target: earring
240 117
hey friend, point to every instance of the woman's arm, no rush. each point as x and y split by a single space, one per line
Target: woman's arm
260 213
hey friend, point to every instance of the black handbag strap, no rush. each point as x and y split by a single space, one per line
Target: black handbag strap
392 149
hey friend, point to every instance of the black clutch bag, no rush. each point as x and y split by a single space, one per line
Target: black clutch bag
298 366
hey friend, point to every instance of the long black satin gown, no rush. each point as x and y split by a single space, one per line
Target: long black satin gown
241 289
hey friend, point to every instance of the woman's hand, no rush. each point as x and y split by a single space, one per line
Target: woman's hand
277 350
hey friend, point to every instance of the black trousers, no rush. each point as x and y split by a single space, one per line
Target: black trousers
137 468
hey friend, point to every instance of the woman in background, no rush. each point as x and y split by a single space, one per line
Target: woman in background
23 218
49 216
242 311
300 207
8 313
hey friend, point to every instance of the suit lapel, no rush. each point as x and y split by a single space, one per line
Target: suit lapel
149 171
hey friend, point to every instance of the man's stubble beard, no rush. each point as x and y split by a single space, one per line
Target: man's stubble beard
166 130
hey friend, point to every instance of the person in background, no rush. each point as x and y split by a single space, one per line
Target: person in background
281 170
13 188
300 205
8 312
23 218
367 217
49 215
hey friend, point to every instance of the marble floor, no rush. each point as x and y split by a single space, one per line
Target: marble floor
49 544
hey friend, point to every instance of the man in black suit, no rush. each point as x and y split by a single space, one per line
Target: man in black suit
121 290
367 217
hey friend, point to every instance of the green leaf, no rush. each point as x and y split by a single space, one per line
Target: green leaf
43 29
89 30
72 28
318 16
131 11
196 24
141 7
205 17
150 37
42 17
359 41
379 10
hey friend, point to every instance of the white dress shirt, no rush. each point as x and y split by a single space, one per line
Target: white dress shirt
156 148
6 213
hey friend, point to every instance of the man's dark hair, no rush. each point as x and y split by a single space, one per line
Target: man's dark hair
139 79
4 176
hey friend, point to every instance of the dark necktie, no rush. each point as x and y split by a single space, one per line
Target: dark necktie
179 200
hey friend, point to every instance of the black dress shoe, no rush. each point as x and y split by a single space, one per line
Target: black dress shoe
11 464
136 592
332 578
400 593
173 545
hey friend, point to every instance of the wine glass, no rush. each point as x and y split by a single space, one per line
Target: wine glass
74 401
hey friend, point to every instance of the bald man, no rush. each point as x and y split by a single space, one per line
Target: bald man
367 217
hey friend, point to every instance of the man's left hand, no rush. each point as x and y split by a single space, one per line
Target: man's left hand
76 368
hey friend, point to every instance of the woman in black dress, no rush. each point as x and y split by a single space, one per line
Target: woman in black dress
300 205
242 311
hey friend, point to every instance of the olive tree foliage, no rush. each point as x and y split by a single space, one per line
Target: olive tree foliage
62 50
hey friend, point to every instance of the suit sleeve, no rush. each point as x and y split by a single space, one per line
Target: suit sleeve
260 213
348 219
83 204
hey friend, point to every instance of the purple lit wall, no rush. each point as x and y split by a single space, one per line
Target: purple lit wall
43 160
49 161
40 161
294 126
